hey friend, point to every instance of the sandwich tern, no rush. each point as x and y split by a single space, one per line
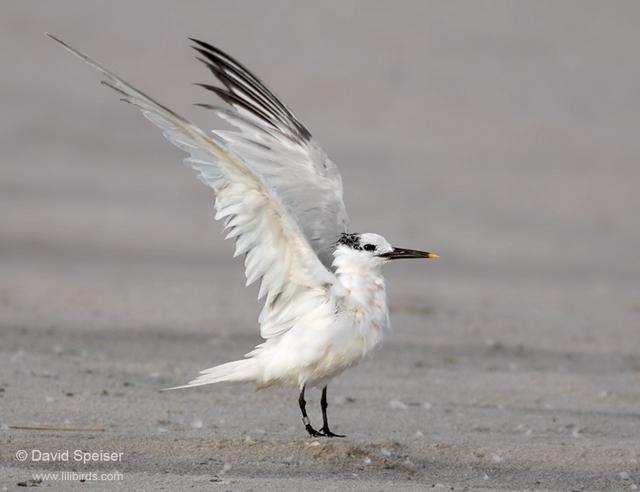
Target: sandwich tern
280 197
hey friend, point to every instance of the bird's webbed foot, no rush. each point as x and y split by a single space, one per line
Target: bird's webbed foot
326 432
312 432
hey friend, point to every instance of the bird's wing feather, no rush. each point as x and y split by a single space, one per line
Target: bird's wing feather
276 251
278 147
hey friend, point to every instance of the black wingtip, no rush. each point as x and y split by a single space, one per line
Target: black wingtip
237 78
210 87
56 39
203 44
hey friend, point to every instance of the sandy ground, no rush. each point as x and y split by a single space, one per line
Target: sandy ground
502 135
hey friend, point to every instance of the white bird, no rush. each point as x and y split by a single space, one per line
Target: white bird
280 198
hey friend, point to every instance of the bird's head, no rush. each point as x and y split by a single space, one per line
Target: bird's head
373 249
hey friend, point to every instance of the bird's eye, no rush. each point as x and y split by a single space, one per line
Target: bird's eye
369 247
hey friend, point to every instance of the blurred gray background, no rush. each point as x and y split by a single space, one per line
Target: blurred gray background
501 134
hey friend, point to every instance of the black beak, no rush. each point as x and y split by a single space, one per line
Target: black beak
398 253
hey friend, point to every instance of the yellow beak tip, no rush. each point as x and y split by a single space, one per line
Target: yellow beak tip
433 255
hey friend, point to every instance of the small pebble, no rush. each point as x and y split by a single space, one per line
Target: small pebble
17 356
398 405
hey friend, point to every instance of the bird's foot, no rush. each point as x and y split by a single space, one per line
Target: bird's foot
327 433
312 432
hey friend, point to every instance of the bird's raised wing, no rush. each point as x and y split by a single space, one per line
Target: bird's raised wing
276 251
275 145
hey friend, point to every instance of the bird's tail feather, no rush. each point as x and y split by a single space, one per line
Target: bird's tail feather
236 371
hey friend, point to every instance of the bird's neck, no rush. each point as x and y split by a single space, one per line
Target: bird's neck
360 277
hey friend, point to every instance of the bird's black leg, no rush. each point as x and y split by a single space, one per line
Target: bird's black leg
325 423
305 419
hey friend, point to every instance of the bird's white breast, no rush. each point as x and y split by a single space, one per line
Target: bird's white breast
363 304
360 321
334 336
